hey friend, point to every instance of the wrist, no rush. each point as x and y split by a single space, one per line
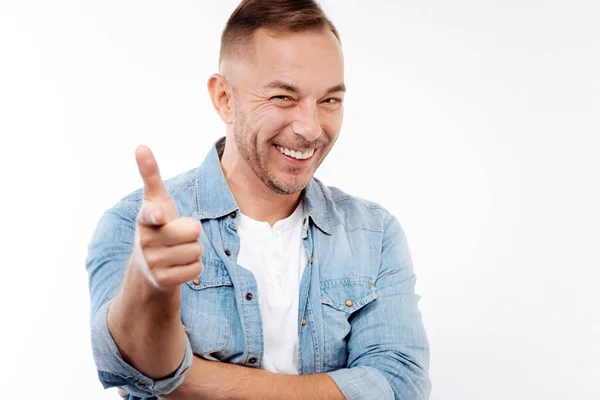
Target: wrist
140 298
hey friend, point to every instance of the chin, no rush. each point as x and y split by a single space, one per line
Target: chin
287 186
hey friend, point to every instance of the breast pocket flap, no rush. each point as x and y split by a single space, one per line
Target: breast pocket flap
348 294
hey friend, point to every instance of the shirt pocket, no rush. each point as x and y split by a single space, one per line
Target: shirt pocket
341 298
207 304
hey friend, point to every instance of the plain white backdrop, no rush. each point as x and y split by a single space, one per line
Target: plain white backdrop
475 122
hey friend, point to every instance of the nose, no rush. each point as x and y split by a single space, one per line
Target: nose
307 123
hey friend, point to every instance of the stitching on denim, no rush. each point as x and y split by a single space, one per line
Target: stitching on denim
218 263
243 313
356 229
129 210
326 214
229 318
332 366
209 285
197 184
341 282
357 201
313 337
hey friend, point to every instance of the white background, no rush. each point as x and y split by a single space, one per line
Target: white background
475 122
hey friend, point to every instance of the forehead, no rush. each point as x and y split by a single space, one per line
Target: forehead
304 58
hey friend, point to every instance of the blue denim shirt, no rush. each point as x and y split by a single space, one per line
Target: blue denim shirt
363 326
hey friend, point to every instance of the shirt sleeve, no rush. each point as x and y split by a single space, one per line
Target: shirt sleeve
388 350
108 255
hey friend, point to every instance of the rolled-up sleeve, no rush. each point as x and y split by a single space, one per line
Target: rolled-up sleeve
362 383
108 256
388 350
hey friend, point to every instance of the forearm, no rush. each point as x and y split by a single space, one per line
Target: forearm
145 324
215 380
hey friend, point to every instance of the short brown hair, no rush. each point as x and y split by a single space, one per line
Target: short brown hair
285 16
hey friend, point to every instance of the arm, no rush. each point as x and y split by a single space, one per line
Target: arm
137 335
215 380
388 350
146 326
109 254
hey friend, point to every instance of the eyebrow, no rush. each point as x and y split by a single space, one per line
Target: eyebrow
277 84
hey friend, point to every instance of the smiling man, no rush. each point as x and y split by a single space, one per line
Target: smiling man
248 278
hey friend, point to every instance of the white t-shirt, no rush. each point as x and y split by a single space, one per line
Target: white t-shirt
277 259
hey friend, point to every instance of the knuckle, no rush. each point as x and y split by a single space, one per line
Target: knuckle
153 259
198 268
193 227
145 212
161 277
198 249
198 229
193 270
145 240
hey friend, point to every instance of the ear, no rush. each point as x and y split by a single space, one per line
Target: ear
220 97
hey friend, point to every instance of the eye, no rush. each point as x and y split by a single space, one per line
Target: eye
283 101
282 98
332 103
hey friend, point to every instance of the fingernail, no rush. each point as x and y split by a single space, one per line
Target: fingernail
153 219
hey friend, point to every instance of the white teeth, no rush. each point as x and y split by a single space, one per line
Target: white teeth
296 154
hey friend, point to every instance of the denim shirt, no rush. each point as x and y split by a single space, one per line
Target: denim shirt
358 319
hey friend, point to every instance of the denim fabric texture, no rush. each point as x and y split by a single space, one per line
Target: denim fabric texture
363 326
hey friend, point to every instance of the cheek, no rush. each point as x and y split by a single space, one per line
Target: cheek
331 122
270 122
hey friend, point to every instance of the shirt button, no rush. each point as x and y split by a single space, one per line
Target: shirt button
252 360
196 281
303 321
310 260
276 255
349 303
248 296
233 215
227 252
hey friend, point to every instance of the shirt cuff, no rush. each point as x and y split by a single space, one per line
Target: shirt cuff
113 371
362 382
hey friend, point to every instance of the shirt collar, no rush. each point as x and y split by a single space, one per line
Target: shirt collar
215 199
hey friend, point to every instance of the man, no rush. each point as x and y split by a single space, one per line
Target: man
247 278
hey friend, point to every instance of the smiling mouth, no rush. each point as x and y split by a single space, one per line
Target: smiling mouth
298 155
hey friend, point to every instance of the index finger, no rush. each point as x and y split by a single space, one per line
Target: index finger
154 188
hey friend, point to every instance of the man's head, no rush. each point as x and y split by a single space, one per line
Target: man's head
280 91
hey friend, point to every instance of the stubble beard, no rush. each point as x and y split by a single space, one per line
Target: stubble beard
246 141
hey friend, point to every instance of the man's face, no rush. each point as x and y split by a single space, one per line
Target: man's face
287 105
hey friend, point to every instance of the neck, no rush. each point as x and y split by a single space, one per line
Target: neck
253 197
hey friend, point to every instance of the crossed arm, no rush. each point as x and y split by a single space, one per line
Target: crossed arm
215 380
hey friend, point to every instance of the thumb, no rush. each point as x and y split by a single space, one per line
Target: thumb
154 188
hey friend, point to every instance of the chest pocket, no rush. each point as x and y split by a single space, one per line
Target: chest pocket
206 308
340 299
